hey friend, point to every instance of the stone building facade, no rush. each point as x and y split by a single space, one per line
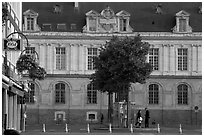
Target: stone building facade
65 51
13 88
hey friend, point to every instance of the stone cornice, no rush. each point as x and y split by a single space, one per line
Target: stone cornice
96 36
151 77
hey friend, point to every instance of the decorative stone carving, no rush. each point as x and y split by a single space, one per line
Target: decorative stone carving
107 21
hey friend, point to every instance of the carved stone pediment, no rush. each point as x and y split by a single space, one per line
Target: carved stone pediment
123 13
30 12
107 21
92 13
107 13
182 13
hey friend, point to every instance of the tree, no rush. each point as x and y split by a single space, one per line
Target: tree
122 61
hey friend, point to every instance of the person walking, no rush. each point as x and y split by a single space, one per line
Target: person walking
138 118
147 116
102 118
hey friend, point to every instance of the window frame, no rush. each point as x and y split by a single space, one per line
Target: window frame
154 58
60 58
182 95
122 25
90 57
91 94
60 99
152 98
90 113
182 59
30 23
29 96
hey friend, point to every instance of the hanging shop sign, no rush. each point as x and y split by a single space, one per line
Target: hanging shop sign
12 44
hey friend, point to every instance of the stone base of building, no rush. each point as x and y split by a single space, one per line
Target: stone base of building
77 116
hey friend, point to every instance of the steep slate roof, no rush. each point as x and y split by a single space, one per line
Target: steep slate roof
142 14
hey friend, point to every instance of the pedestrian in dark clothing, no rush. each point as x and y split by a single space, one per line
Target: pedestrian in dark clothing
102 118
147 117
138 118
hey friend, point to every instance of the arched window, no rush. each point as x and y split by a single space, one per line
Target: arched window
182 94
153 94
29 96
91 94
60 93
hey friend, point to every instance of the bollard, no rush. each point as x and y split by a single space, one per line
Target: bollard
158 128
44 128
88 129
180 129
110 130
66 129
131 129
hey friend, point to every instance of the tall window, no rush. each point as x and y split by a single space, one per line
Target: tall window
92 52
30 23
153 94
60 93
29 96
60 58
30 50
91 94
154 58
182 94
182 59
123 23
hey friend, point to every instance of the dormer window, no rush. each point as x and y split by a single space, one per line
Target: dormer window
92 24
123 24
61 27
30 21
124 19
182 23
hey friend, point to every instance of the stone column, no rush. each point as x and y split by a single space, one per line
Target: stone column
199 58
69 58
15 111
18 115
10 111
172 56
165 58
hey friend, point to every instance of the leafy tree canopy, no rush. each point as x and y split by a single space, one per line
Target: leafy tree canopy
121 61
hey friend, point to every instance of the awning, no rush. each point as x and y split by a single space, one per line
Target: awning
17 91
5 86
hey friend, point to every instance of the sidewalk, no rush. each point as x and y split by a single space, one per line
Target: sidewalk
104 130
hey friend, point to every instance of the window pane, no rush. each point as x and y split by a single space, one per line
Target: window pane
154 58
182 25
91 94
92 52
182 59
60 58
153 94
60 93
182 94
92 24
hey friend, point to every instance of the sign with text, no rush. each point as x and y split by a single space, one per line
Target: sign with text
12 44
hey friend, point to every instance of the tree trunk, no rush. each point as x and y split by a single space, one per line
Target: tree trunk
110 107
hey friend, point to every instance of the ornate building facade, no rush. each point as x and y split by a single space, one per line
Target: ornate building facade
67 35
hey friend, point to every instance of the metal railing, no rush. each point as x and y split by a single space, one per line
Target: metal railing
10 70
